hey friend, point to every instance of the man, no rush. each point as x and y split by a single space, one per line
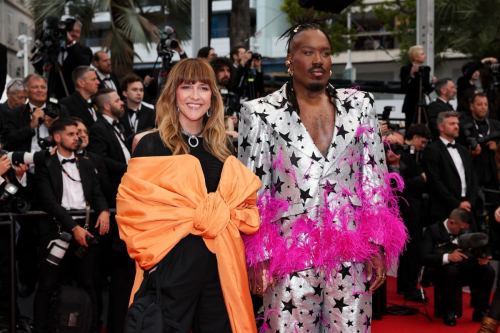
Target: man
16 95
304 146
446 91
411 75
448 166
75 34
207 53
138 117
247 79
471 74
3 67
222 68
410 207
69 183
454 269
101 62
79 103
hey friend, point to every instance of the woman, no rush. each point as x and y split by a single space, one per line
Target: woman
181 207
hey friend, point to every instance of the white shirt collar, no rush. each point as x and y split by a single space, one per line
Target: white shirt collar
101 76
446 141
32 107
442 100
108 119
60 157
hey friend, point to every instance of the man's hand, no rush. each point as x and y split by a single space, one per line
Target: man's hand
37 114
48 121
257 63
21 170
69 39
377 263
424 177
260 280
245 58
434 79
79 235
465 205
484 261
179 49
414 69
383 127
147 80
476 151
103 222
492 145
4 164
457 256
489 59
497 215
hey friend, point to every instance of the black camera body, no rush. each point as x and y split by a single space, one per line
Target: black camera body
167 44
475 141
82 250
53 36
231 102
423 70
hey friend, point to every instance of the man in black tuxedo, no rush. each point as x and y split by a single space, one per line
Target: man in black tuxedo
410 76
446 91
68 183
471 74
101 62
450 174
138 117
76 33
79 103
449 271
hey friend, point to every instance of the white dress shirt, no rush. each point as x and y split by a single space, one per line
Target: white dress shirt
459 164
73 196
91 110
107 83
40 131
121 138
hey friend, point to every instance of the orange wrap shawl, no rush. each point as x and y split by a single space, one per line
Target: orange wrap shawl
163 199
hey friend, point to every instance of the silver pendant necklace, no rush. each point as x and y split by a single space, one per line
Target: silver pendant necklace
193 137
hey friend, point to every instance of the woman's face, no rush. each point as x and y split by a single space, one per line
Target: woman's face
193 100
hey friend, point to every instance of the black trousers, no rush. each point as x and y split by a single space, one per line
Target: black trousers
409 266
480 278
80 269
191 290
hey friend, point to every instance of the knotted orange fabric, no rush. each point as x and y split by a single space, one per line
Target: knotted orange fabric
163 199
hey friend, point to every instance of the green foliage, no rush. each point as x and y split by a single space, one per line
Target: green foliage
335 25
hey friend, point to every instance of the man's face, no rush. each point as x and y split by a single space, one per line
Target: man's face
241 52
479 108
419 142
68 139
390 156
115 105
456 226
450 91
37 90
134 92
211 55
83 134
90 83
450 127
104 63
223 76
17 98
76 32
476 75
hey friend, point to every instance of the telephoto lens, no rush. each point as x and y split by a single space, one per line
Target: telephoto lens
57 248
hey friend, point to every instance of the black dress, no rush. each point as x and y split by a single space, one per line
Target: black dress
190 285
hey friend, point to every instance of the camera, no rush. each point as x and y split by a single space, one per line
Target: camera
11 202
230 101
46 143
53 110
57 248
256 56
423 70
495 69
82 250
167 44
398 149
53 36
386 115
473 141
41 157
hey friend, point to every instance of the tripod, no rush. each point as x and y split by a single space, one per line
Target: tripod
420 116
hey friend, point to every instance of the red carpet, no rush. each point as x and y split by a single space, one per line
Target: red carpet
418 323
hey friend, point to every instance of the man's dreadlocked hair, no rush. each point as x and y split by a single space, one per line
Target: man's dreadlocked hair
307 22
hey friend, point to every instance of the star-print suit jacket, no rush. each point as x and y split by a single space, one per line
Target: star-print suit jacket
319 211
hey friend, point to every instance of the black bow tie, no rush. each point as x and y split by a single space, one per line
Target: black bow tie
91 106
106 79
450 145
131 112
119 126
452 236
71 160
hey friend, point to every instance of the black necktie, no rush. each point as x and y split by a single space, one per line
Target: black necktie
71 160
449 145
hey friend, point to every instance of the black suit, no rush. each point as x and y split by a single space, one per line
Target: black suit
433 111
444 183
3 67
17 131
147 120
49 184
450 276
463 82
113 78
103 141
410 87
76 57
78 107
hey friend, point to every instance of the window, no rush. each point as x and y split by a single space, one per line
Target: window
10 33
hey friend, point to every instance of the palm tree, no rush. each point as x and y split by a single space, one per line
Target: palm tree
130 22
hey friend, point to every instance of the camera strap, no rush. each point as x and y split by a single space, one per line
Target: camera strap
477 128
87 215
67 174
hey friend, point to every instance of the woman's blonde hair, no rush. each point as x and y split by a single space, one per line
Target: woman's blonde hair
413 51
215 139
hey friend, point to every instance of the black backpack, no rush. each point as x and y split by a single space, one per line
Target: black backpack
71 310
145 314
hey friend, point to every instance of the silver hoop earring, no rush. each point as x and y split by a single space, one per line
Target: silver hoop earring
178 110
208 113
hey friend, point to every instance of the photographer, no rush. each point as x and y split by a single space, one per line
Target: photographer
16 95
471 74
412 76
222 69
451 270
53 58
248 78
68 183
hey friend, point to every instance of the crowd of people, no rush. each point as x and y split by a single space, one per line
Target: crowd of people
309 188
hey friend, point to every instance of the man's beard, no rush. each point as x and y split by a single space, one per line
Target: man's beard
316 86
224 81
70 148
118 112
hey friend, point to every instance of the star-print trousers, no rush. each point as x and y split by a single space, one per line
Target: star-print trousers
309 301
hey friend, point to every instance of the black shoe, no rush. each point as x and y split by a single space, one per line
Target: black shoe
26 291
414 296
478 315
450 319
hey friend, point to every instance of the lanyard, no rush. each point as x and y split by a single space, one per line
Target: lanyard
67 174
